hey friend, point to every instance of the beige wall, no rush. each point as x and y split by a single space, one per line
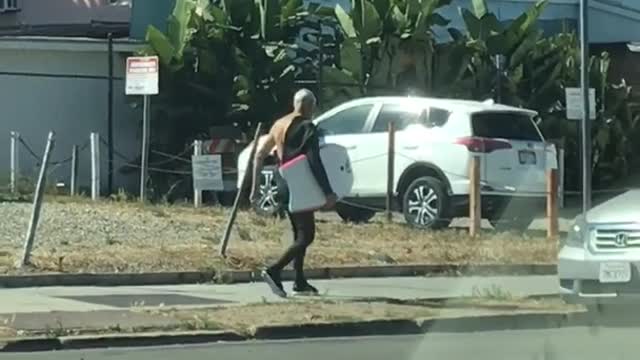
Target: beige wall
47 12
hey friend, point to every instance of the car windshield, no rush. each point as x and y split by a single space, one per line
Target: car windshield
319 179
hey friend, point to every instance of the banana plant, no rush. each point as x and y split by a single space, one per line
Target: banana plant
389 44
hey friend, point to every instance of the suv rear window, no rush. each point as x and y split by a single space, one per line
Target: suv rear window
505 125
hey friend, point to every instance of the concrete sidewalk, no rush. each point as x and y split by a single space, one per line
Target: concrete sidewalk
65 299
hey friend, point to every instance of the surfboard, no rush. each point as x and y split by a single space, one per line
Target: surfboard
304 192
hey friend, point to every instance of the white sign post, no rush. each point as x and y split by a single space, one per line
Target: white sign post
207 172
143 74
574 103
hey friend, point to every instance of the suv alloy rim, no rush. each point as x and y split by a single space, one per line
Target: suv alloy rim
423 204
268 192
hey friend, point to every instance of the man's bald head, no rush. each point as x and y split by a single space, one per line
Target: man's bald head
304 102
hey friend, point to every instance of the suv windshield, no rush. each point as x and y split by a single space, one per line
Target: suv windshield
505 125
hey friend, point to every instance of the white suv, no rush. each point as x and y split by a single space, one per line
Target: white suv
435 140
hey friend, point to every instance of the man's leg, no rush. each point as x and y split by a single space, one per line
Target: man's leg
306 226
299 226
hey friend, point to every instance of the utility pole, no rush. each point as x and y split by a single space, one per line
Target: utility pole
110 115
586 116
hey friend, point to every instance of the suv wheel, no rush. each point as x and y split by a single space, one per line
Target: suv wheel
268 202
425 203
354 214
519 223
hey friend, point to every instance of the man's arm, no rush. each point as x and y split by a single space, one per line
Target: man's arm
264 148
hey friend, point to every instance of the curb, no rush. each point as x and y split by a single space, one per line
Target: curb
234 277
491 322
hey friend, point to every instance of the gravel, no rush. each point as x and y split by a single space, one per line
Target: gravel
90 225
76 235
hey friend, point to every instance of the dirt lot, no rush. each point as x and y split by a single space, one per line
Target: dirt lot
80 236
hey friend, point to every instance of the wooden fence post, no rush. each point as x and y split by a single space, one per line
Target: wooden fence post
561 177
475 211
37 203
390 170
73 186
15 161
552 203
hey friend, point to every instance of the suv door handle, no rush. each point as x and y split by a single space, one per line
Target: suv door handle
410 147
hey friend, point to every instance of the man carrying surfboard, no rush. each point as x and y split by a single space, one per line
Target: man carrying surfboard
291 136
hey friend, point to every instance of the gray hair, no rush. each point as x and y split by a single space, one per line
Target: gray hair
304 97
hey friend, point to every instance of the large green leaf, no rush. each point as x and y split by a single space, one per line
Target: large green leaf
290 8
202 9
219 15
523 50
472 23
532 16
351 58
160 45
270 17
207 61
382 7
178 29
479 8
345 22
239 11
437 19
373 23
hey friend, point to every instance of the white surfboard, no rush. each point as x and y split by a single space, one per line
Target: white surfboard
304 192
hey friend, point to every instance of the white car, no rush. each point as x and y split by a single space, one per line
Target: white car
435 140
600 257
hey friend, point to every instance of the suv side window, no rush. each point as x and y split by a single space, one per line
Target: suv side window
399 114
347 121
437 117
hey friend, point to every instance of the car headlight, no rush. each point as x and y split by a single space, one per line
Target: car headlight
577 233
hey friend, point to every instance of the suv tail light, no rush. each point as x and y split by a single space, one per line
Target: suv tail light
483 145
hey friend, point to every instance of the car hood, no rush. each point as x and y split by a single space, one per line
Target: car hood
624 208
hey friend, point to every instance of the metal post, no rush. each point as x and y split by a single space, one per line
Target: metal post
95 166
15 161
561 177
320 65
197 194
586 121
248 176
475 212
499 59
37 203
110 114
552 204
73 188
145 147
390 168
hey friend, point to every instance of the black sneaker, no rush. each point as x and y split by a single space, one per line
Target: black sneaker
304 289
274 282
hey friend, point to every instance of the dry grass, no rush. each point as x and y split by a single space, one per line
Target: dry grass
78 236
246 318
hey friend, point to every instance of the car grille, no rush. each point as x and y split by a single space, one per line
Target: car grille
616 239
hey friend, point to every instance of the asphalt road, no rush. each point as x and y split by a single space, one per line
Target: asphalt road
557 344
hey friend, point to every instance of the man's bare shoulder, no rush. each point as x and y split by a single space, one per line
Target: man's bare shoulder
281 124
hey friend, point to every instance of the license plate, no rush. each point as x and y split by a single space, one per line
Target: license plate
527 157
615 272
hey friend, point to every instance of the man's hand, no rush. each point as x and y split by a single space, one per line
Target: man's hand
332 199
